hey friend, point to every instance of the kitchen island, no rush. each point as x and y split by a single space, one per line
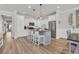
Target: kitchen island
45 35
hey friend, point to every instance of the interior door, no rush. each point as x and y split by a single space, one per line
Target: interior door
52 28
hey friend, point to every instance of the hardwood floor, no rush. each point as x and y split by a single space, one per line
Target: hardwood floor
23 45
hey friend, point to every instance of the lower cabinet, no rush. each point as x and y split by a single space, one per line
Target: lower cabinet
47 38
1 42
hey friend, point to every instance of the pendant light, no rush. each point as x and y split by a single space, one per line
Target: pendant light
34 12
40 11
40 16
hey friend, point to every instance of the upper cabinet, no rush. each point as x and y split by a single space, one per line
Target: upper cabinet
77 18
73 18
70 19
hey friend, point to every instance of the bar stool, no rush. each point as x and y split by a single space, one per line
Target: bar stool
69 37
38 39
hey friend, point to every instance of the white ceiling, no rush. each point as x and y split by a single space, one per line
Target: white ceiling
45 8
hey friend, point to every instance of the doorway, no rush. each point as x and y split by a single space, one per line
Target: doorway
7 23
52 28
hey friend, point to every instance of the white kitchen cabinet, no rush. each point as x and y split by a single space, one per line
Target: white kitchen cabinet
74 18
77 18
1 40
47 38
1 32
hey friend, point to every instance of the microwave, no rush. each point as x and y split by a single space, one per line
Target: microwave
31 24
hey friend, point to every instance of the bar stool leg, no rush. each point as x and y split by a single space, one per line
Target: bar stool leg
69 48
38 43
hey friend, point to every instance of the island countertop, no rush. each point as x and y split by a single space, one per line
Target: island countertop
39 29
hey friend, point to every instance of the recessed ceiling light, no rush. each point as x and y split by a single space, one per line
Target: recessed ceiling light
29 6
33 9
58 6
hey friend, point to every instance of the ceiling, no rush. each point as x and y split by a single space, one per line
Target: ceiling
46 9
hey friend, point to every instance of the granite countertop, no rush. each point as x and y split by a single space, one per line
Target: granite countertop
39 29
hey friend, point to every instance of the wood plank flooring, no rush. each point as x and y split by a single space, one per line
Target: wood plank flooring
23 45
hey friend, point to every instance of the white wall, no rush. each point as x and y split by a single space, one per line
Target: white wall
62 24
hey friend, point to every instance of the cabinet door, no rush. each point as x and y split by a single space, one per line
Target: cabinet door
71 19
77 18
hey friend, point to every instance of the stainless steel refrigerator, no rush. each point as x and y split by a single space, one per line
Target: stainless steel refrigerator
52 28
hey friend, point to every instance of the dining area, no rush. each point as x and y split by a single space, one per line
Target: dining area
73 42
